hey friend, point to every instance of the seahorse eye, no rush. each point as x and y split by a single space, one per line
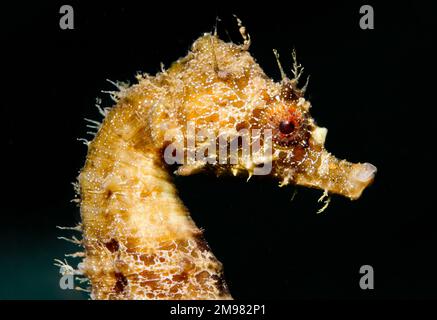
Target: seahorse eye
286 127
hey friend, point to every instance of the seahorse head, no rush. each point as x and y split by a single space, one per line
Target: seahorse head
229 116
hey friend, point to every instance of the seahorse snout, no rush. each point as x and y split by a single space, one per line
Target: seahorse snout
337 176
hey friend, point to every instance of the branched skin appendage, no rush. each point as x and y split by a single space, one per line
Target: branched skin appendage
139 239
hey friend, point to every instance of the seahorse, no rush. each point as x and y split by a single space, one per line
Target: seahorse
139 239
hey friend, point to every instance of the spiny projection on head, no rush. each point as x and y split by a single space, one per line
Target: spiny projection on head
139 239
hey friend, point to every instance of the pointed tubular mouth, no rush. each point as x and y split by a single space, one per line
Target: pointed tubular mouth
364 173
339 176
361 176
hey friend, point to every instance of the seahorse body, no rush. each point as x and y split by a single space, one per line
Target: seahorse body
139 239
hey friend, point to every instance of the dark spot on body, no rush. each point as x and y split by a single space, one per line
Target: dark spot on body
112 245
120 282
108 194
242 125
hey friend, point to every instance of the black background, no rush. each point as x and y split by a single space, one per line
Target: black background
373 90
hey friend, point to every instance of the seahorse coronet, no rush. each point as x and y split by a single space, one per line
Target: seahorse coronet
139 239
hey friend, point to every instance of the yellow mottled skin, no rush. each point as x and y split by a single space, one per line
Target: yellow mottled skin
139 239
